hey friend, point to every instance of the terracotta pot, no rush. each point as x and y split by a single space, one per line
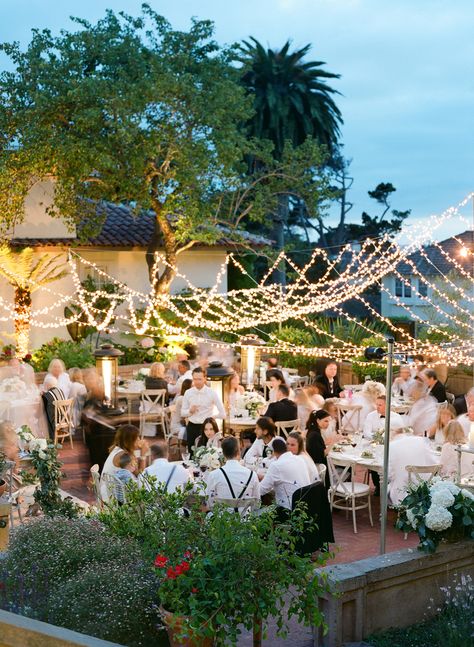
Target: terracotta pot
3 487
174 624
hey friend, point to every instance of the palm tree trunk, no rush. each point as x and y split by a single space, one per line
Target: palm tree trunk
22 320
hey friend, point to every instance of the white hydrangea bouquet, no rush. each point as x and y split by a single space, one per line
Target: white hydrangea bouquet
25 436
252 401
210 458
437 510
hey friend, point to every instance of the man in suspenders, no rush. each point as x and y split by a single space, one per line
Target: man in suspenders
233 481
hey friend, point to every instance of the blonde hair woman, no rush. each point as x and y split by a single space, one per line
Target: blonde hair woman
57 370
445 415
156 378
454 436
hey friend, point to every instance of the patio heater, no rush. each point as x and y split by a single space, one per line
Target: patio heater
374 353
250 353
219 376
106 362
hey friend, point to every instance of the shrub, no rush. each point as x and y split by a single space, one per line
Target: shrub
72 354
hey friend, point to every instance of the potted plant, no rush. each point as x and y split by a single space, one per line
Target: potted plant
438 510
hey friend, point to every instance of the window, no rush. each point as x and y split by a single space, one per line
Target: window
398 288
403 288
96 276
407 287
422 288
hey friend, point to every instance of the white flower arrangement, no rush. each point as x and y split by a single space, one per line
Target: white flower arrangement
39 445
209 457
12 385
438 518
144 371
252 402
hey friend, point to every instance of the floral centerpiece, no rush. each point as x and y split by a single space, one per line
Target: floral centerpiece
437 510
25 436
251 401
379 437
209 457
12 385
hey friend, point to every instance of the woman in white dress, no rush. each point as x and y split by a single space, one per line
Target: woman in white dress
437 431
177 426
366 398
295 444
454 436
127 441
57 369
424 411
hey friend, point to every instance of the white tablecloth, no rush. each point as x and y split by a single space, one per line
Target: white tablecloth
24 410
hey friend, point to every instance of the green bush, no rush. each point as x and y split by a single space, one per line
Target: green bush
72 353
377 372
296 337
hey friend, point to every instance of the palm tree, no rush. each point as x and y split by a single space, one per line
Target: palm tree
292 102
26 275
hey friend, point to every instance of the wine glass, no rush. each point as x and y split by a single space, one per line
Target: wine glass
185 455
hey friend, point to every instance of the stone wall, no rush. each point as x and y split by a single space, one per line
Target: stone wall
392 590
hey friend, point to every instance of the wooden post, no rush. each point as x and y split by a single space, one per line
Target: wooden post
4 524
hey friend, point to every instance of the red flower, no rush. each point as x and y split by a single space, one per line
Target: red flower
184 567
171 574
161 561
27 357
187 555
178 570
8 351
194 590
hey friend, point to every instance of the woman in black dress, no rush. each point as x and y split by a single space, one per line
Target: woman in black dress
315 446
328 383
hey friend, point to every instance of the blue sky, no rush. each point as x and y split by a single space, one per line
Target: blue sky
406 68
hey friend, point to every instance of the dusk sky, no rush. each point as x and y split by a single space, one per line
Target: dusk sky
406 68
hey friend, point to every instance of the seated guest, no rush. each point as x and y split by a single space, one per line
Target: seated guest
454 436
51 393
417 366
296 445
199 403
307 399
177 422
466 420
423 414
329 406
235 389
461 402
124 475
276 378
57 370
173 476
366 398
265 431
78 392
435 388
406 449
233 481
126 441
211 436
185 373
286 474
330 387
318 422
376 419
283 409
403 382
156 378
247 438
445 415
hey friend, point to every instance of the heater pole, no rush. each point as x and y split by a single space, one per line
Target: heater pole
386 444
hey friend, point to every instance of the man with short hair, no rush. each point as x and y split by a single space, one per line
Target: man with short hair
185 373
199 403
173 475
376 419
403 383
286 474
461 402
233 481
283 409
435 388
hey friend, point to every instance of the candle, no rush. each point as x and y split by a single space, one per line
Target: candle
471 436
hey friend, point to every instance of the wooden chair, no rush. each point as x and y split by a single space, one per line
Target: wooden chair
348 417
344 494
63 420
322 469
283 428
301 382
13 493
311 377
417 472
152 409
242 506
95 481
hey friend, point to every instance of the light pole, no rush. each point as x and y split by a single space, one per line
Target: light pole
372 353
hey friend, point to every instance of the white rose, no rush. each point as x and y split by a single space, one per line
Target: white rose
147 342
442 497
41 454
438 518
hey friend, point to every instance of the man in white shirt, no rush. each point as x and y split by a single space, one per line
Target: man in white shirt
466 420
233 481
262 446
199 403
185 373
376 419
286 474
403 383
173 475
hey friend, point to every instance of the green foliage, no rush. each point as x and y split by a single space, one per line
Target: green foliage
48 471
72 354
297 337
376 371
3 464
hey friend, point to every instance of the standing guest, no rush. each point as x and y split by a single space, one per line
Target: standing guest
403 383
127 441
199 403
462 402
233 481
466 420
435 388
423 414
57 369
405 449
330 387
78 392
185 373
296 445
248 438
156 378
307 399
445 415
265 431
286 474
276 378
211 436
235 389
177 423
51 393
376 419
283 409
173 475
454 436
417 366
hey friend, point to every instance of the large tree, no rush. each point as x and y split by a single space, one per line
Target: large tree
293 103
130 110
